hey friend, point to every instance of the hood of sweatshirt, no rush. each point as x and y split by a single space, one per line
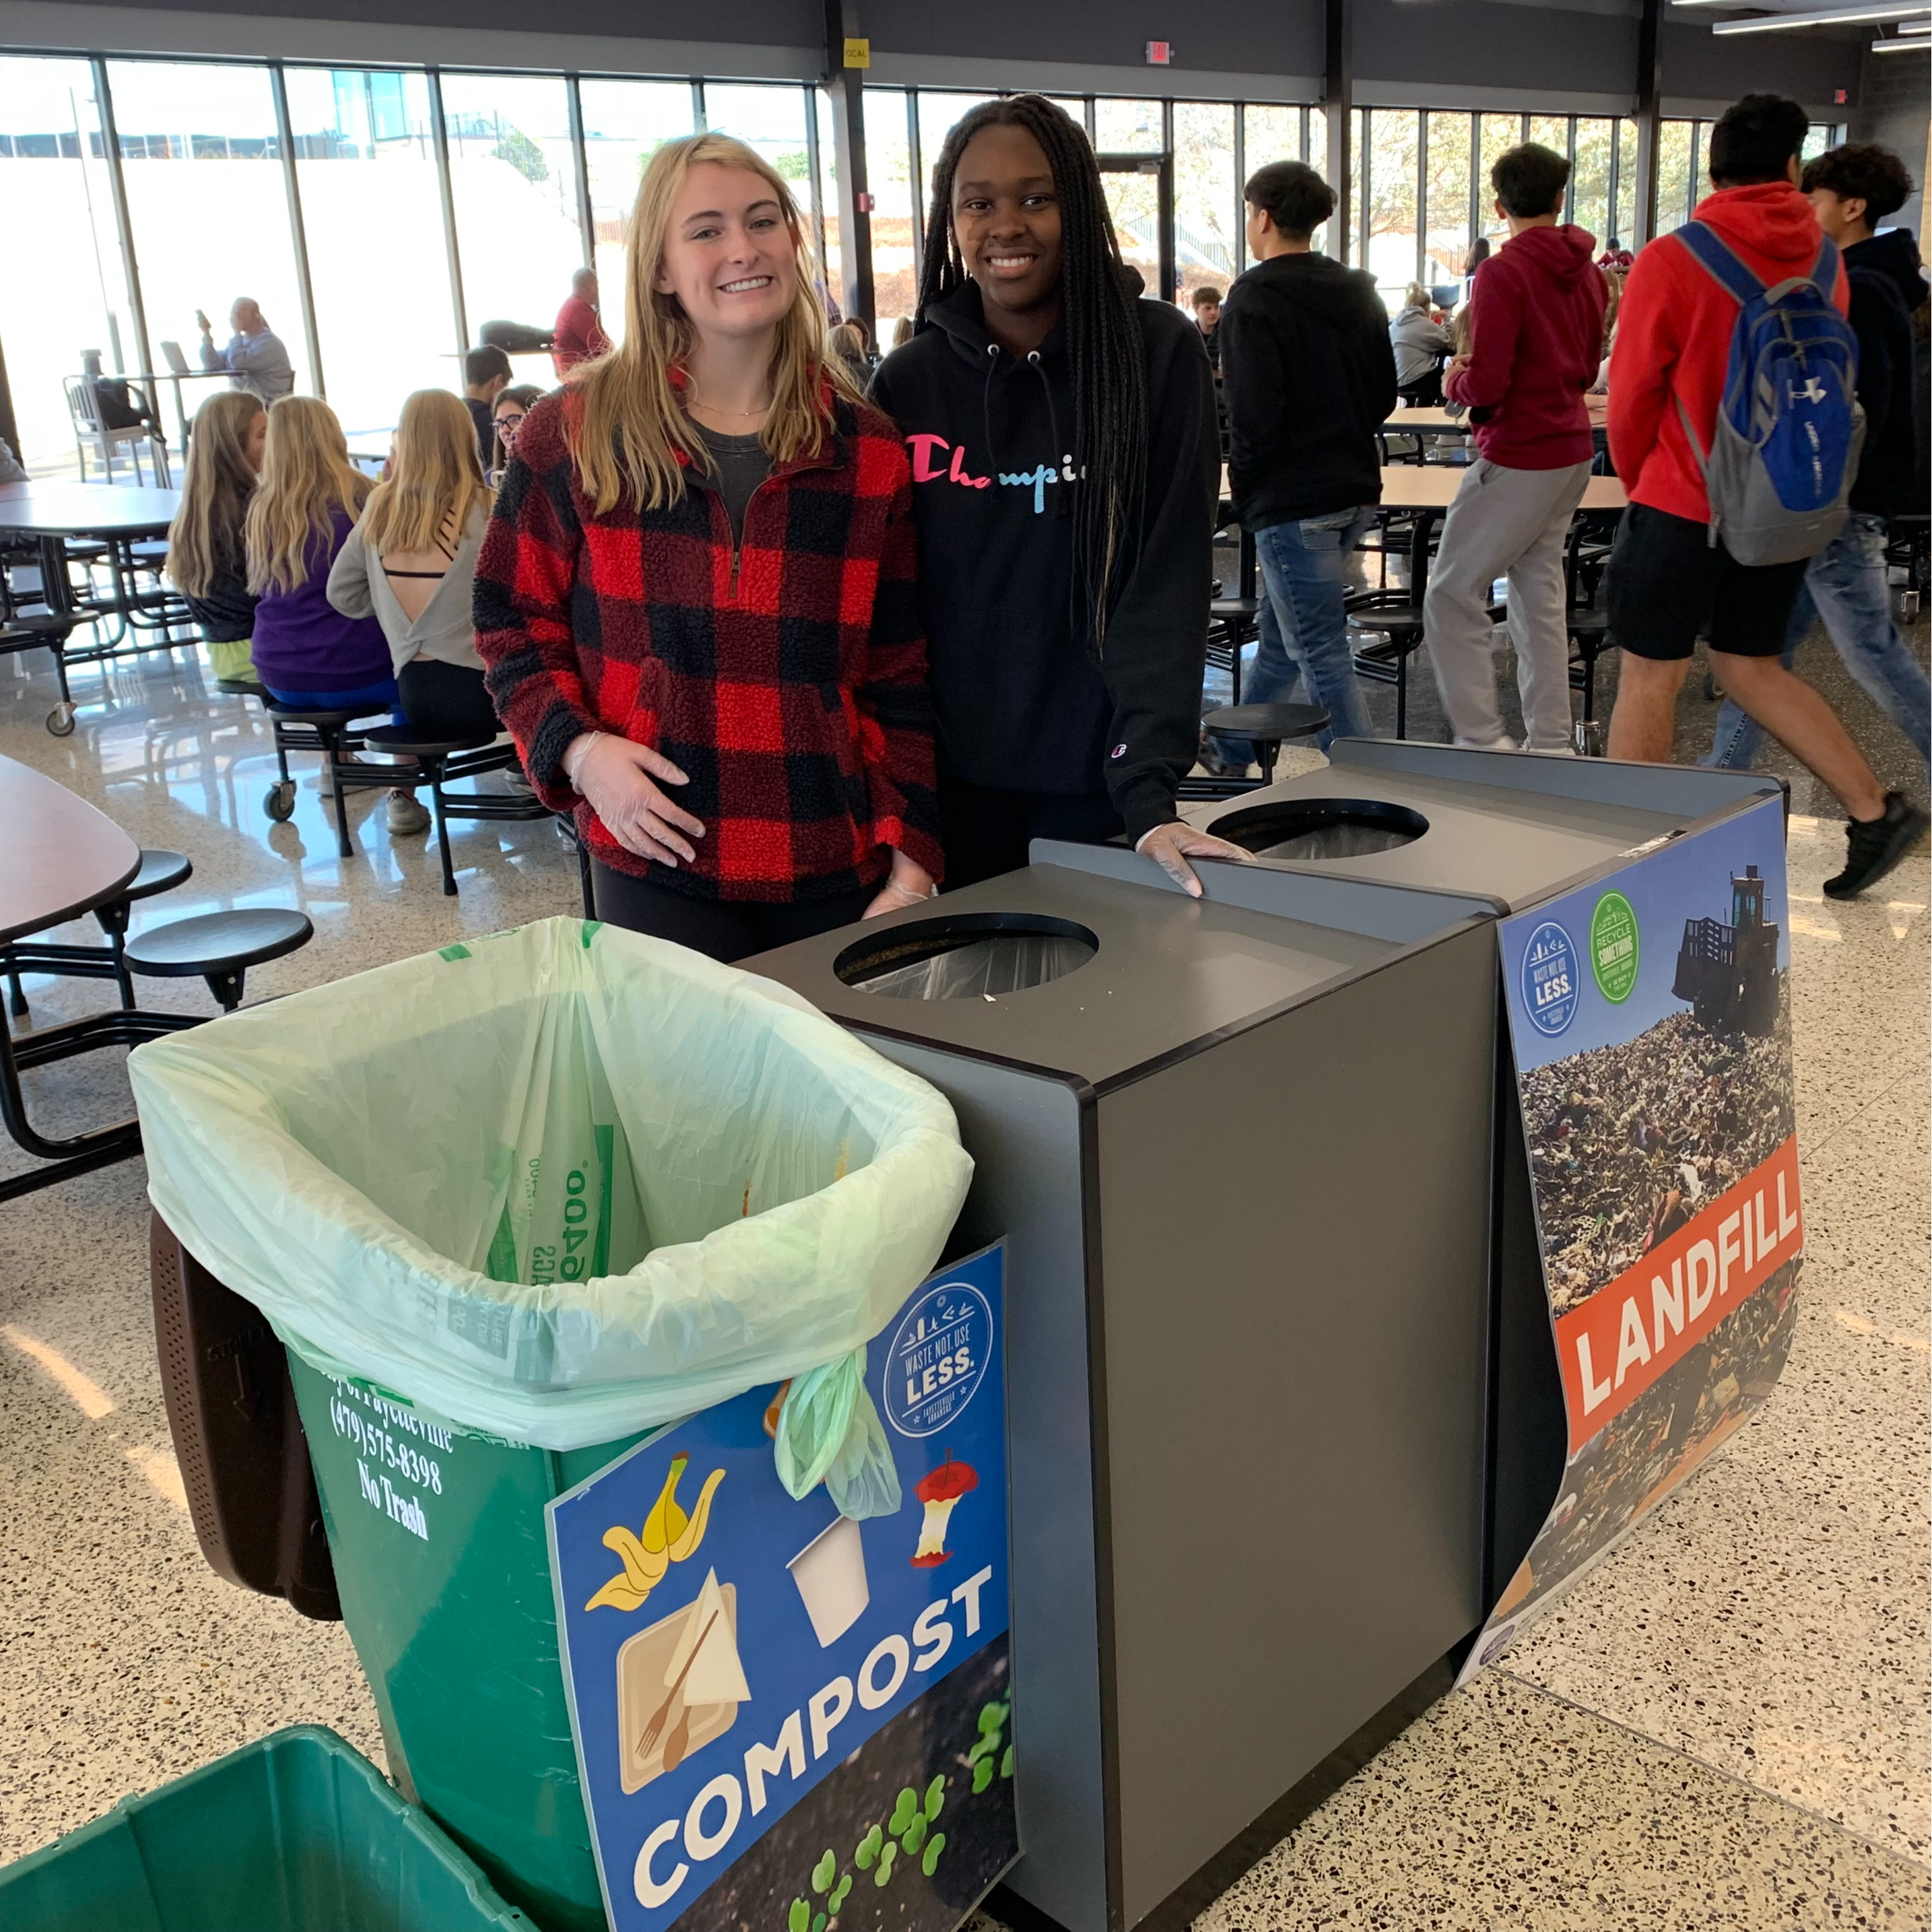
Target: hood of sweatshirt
1894 255
1566 251
1345 298
1771 218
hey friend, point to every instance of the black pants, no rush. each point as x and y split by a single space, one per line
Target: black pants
986 832
724 929
445 701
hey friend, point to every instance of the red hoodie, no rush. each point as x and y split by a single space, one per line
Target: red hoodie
1674 339
1536 338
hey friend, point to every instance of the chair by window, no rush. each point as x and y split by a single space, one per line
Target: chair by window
91 433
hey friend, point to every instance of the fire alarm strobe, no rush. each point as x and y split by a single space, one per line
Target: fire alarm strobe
1160 53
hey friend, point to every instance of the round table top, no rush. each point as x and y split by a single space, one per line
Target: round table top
58 856
1433 486
85 509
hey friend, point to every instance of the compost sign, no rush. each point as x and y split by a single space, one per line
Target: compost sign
786 1720
1656 1090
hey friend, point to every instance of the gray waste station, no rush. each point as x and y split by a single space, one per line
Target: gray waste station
1274 1301
1248 1402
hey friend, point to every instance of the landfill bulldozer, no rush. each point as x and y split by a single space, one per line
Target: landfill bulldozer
1729 973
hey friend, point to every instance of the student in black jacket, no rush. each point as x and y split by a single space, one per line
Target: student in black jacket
1852 189
1065 457
1309 375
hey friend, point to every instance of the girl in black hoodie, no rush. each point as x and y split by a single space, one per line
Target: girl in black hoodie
1065 458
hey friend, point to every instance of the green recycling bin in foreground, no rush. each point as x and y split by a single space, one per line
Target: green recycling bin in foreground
294 1833
512 1206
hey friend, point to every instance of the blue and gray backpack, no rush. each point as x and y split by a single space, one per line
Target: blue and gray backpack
1790 428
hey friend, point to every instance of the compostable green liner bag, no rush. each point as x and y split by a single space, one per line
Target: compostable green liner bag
561 1185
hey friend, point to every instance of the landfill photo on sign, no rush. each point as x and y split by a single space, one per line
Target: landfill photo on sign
1628 1141
1647 1449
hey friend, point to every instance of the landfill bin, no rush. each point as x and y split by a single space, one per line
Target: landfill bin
510 1207
1241 1149
294 1833
1518 829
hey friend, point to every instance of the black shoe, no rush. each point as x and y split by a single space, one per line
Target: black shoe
1214 762
1875 845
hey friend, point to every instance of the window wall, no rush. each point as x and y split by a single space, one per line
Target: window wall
626 122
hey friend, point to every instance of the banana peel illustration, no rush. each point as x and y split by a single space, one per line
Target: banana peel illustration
669 1536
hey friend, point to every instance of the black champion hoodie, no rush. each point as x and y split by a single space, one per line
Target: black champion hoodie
1024 702
1887 285
1309 372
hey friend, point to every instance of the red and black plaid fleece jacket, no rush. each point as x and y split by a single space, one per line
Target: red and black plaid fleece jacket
790 690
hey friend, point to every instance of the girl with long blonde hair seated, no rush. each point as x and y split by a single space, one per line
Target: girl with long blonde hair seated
307 655
410 562
206 561
698 597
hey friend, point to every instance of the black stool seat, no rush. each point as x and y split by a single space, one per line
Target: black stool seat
243 687
400 740
1587 623
219 947
1226 608
1273 722
322 721
1387 617
160 872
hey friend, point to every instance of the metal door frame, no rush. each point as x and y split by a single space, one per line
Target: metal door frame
1161 165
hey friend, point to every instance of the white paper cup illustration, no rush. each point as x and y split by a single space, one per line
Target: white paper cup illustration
830 1574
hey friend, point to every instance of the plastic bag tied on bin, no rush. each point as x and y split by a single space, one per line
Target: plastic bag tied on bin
562 1186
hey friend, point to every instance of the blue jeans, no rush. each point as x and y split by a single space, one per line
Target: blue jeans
366 699
1304 625
1846 585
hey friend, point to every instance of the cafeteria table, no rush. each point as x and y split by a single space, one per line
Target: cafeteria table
59 857
117 516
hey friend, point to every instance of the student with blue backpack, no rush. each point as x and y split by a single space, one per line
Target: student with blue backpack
1734 424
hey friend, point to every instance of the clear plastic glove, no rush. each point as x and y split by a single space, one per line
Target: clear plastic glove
1172 845
909 883
619 780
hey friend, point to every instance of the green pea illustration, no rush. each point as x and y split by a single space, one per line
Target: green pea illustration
819 1921
840 1893
904 1812
868 1849
992 1716
798 1918
982 1774
934 1846
1007 1762
886 1858
824 1872
935 1796
914 1836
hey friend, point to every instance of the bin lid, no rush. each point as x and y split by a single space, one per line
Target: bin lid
1513 826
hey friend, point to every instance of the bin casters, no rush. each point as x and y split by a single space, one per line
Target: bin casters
237 1436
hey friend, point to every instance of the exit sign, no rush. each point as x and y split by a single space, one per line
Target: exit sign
1160 53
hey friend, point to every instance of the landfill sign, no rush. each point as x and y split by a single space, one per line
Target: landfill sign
1656 1090
786 1720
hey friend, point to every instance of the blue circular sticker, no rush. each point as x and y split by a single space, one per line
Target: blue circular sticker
1549 982
938 1358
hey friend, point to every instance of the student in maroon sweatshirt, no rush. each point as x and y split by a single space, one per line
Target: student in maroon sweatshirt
1535 337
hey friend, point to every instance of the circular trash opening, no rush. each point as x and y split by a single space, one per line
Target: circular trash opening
970 955
1320 828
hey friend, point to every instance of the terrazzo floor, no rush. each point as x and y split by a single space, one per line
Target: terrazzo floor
1724 1725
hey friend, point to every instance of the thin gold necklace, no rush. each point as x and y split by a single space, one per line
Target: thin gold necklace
736 415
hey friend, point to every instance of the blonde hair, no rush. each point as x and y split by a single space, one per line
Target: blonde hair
624 421
306 477
1416 296
435 477
204 539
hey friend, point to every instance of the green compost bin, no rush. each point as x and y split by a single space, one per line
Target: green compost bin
443 1566
294 1833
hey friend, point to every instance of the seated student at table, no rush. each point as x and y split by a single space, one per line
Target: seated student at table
254 356
698 597
307 655
578 334
206 560
410 562
11 471
1065 455
1421 345
506 417
486 375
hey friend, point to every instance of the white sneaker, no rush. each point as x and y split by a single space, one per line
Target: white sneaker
404 815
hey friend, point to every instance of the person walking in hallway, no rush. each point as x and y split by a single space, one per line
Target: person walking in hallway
1536 335
1852 189
1672 577
1309 373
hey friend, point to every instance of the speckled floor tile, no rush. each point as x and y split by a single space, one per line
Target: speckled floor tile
1503 1807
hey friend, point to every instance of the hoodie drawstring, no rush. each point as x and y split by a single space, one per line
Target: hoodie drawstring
1060 462
986 403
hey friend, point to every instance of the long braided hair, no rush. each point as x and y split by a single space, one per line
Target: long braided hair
1103 335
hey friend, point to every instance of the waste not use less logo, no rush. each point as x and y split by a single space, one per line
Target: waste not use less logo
1613 947
1549 982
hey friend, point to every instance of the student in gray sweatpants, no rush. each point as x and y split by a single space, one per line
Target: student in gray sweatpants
1535 340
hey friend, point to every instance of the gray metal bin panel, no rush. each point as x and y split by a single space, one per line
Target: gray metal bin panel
1297 1413
1507 825
1024 1134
